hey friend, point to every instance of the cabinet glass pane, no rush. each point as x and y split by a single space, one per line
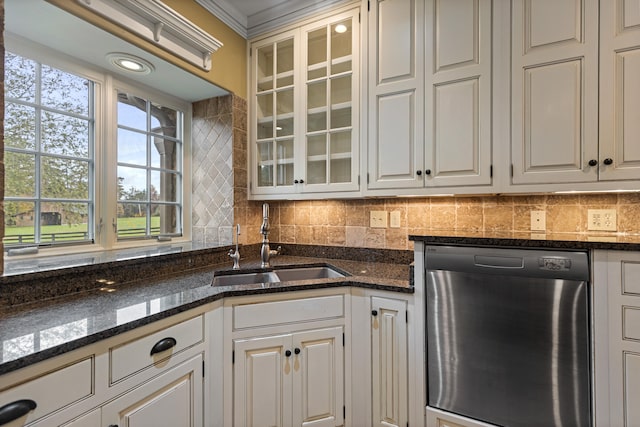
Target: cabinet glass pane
284 108
264 114
284 63
317 106
317 159
341 102
317 54
341 49
265 68
340 157
265 164
285 152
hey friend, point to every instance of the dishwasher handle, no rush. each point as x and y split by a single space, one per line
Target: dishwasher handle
498 262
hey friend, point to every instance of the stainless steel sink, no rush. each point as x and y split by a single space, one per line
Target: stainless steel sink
245 279
306 273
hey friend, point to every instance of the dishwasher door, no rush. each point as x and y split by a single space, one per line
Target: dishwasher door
508 336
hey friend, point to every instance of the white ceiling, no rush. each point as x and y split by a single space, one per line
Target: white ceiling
50 26
250 18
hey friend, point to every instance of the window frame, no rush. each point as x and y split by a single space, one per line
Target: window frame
104 181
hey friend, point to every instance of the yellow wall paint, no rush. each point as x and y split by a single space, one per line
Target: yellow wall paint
229 63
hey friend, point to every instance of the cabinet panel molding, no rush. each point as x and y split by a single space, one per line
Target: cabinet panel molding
456 131
631 388
456 39
631 323
396 49
553 116
551 22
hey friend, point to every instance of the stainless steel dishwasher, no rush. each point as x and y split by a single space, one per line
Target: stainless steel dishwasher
507 335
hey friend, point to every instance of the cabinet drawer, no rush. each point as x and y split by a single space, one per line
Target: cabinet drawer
289 311
132 357
55 390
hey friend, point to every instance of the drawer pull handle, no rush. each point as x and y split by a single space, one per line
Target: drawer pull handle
14 410
162 345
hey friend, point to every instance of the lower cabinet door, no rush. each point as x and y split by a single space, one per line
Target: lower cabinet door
262 381
174 398
289 380
389 362
318 378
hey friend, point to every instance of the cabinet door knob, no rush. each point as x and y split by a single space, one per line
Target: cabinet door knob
427 172
593 162
14 410
287 353
297 350
302 181
418 173
295 181
374 312
607 161
162 345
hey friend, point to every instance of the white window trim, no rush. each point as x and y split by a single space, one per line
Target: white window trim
106 86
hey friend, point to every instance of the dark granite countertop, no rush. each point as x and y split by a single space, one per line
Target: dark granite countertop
37 331
566 241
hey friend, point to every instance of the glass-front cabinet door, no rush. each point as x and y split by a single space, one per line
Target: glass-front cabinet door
331 61
304 114
273 110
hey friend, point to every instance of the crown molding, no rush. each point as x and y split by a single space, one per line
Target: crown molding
158 23
269 19
227 13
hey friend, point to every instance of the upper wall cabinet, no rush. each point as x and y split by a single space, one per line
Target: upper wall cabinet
575 109
304 109
430 95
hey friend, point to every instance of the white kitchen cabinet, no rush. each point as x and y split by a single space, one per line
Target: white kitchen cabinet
617 345
288 359
150 376
389 362
304 108
554 91
290 380
429 120
173 398
574 106
619 154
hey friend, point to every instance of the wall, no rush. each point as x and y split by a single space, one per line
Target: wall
229 63
1 133
345 222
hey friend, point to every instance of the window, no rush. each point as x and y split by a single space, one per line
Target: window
49 126
57 170
149 177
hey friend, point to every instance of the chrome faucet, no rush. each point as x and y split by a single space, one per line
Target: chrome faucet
235 256
266 252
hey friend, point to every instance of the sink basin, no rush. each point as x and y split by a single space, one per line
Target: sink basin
245 279
306 273
278 275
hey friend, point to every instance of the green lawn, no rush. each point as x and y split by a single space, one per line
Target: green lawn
77 229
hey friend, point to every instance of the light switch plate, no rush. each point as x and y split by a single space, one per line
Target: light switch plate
394 219
378 219
601 220
538 221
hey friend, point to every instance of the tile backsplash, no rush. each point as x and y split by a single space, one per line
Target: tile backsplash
346 222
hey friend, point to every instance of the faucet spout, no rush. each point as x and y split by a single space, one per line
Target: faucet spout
265 251
235 256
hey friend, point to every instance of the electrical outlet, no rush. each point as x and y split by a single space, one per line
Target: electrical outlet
378 219
601 220
394 219
538 221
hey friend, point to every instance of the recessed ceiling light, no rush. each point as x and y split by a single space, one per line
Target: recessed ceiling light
130 63
341 28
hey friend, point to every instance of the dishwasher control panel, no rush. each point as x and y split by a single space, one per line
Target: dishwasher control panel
554 263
